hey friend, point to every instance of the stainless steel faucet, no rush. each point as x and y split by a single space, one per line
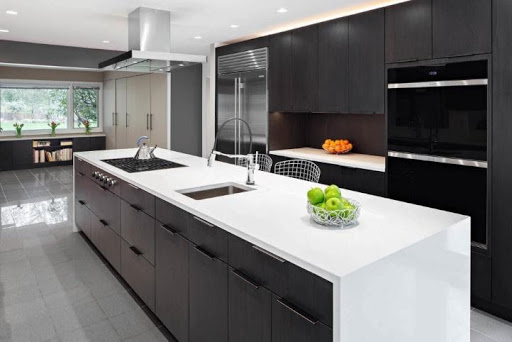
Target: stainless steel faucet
251 165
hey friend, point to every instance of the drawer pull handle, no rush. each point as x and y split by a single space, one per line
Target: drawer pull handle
136 251
246 279
298 311
80 160
104 223
102 188
204 222
205 253
133 186
169 230
81 202
267 253
81 174
135 207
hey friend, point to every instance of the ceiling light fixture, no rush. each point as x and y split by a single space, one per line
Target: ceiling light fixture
282 10
106 41
198 37
234 26
4 31
11 12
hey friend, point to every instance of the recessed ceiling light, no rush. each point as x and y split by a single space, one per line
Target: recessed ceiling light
282 10
106 41
4 31
198 37
181 65
11 12
234 26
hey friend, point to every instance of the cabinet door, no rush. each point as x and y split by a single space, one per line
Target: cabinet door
291 324
83 218
304 68
138 229
366 63
250 310
138 107
409 31
6 156
106 206
22 154
97 143
158 123
121 114
171 274
461 27
107 242
109 112
208 297
280 71
333 66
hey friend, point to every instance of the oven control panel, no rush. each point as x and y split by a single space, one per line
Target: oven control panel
104 178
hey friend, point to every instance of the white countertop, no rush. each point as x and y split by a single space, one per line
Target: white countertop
274 216
352 160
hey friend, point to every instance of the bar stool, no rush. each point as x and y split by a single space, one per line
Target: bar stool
300 169
263 160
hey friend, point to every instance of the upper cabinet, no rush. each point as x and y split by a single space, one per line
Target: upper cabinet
304 68
366 63
461 27
333 66
409 31
280 73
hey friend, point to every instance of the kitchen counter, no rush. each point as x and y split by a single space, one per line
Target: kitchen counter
403 272
352 160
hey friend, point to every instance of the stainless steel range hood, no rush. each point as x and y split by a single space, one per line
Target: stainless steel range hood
149 41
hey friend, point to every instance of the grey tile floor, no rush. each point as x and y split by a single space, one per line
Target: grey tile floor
54 287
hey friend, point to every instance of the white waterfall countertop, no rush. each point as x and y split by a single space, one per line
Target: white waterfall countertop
413 259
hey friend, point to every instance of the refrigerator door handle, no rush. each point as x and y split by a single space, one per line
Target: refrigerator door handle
239 137
236 115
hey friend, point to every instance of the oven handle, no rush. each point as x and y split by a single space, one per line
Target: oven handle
438 159
437 84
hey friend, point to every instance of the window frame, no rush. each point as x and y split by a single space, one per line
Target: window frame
71 115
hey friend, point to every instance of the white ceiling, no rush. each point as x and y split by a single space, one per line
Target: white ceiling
86 23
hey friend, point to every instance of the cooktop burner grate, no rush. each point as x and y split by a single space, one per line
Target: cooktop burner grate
132 165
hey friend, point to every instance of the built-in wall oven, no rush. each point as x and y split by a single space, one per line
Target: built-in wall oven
437 138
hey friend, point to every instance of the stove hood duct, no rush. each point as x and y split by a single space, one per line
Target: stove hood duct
149 42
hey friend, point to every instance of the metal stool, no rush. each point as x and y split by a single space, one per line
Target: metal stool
300 169
263 160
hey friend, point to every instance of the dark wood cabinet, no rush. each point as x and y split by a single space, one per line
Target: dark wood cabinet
366 63
208 297
22 154
461 27
246 45
138 230
304 68
171 281
106 205
97 143
409 31
292 324
107 241
208 237
81 144
333 66
83 218
250 310
6 155
138 198
172 216
280 73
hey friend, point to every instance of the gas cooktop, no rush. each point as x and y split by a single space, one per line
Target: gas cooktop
132 165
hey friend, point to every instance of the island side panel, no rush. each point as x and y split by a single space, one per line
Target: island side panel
419 294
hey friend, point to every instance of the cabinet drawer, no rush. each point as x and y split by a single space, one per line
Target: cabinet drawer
82 187
83 218
290 324
172 216
138 198
138 273
107 241
307 290
106 206
82 166
138 230
209 237
116 189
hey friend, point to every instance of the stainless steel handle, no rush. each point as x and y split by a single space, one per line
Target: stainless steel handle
436 84
116 119
133 186
438 159
267 253
246 279
204 222
126 123
239 115
81 202
104 223
80 160
169 229
151 122
102 187
135 207
147 121
298 312
236 115
205 253
136 251
113 119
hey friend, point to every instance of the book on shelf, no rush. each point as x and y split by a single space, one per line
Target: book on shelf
36 156
66 143
42 156
40 143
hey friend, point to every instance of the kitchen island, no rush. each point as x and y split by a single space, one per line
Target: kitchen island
402 274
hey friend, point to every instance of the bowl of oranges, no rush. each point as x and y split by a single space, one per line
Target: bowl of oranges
337 146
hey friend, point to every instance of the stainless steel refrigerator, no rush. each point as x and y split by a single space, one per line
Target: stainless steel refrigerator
242 91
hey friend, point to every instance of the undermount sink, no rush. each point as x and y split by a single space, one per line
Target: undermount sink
215 190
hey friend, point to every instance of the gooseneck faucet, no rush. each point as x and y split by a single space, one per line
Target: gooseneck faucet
251 165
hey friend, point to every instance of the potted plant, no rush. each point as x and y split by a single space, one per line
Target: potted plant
86 124
18 129
53 125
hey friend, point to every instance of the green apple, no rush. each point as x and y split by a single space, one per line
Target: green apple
332 187
332 194
333 204
348 211
316 196
346 202
319 208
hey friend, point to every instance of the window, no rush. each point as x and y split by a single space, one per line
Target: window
36 104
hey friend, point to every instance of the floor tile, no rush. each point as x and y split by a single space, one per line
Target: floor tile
35 329
131 324
118 303
152 335
491 326
69 318
478 337
99 332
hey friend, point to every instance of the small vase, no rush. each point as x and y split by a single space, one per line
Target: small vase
18 132
53 132
87 130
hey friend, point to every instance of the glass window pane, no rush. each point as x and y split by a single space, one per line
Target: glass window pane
33 107
86 106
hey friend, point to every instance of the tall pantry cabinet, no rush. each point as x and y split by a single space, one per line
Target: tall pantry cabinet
136 106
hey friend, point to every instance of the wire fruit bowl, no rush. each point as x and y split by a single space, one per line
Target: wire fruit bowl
344 218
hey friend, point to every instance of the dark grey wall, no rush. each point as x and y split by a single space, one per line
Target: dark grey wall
186 110
54 55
